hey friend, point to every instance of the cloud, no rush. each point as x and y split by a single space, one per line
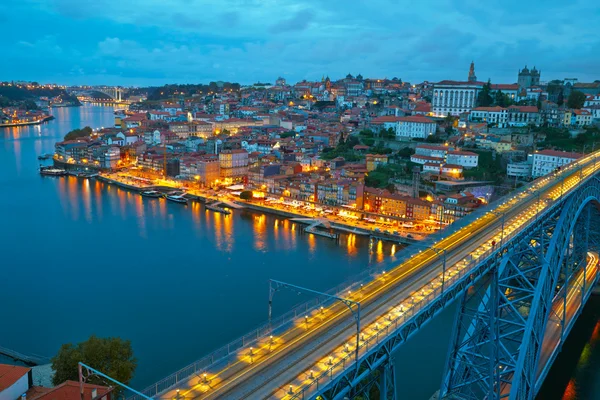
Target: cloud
157 41
298 22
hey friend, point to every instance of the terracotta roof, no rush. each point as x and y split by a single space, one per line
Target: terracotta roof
416 119
69 390
463 153
9 374
562 154
493 109
503 86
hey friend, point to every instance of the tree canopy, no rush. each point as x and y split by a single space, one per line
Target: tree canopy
484 99
112 356
576 99
246 195
79 133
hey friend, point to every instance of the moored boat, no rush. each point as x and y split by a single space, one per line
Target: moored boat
177 198
152 193
51 171
218 209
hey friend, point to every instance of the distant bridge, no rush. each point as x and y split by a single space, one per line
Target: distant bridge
30 360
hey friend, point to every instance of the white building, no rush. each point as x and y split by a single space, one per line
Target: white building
521 169
15 381
415 127
546 161
432 151
454 97
490 115
443 169
466 159
421 159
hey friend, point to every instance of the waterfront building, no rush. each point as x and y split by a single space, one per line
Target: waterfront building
546 161
382 201
233 164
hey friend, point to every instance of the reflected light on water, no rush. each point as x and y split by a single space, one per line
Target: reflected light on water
259 229
379 251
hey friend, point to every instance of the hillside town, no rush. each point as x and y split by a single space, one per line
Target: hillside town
369 148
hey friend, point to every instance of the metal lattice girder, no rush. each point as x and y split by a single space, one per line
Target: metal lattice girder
500 329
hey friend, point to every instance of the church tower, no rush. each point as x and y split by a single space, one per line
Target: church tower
472 77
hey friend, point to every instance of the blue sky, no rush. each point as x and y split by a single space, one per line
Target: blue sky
152 42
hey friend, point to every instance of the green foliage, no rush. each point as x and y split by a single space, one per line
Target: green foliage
246 195
502 99
78 133
367 133
369 141
29 105
343 149
406 152
484 99
380 150
380 178
436 138
112 356
576 99
488 168
287 134
388 133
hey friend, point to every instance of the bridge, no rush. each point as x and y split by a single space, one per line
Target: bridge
521 270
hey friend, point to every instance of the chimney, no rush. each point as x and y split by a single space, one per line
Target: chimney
24 396
94 393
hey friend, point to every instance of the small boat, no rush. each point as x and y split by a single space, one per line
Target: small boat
49 171
217 209
177 198
46 156
152 193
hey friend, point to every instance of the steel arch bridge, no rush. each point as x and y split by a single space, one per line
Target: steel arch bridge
521 269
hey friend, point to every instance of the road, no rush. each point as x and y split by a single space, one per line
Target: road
323 343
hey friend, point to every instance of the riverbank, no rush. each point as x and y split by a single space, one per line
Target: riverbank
27 123
308 218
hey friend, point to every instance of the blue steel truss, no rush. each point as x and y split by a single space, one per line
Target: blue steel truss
499 331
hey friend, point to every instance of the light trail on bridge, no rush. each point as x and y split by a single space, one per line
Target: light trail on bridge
320 345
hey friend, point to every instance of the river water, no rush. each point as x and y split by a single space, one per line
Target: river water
81 257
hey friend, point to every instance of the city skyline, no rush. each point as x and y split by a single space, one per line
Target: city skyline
189 41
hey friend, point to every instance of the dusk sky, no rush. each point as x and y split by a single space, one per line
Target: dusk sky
151 42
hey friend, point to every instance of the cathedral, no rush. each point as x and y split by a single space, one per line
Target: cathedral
528 78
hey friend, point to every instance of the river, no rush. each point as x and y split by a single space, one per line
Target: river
81 257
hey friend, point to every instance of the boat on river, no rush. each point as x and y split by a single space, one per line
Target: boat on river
216 208
51 171
155 194
177 198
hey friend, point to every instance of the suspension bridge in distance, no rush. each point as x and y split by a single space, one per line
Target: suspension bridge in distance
529 260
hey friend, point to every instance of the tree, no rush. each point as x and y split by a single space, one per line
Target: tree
246 195
484 99
576 99
112 356
78 133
